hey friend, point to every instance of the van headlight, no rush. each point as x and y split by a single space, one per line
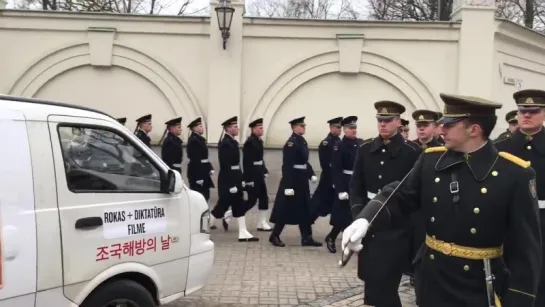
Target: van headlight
205 222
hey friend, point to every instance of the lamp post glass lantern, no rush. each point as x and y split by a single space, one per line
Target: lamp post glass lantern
224 12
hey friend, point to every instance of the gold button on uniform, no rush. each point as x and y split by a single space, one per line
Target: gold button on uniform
432 257
466 267
381 162
494 173
383 150
529 147
379 176
435 199
437 179
484 190
432 219
476 210
473 230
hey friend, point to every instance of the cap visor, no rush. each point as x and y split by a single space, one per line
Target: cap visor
385 117
529 108
449 120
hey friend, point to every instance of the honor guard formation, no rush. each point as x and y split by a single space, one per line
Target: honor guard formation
461 214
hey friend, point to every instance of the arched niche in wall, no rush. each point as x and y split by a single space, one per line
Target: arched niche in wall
338 94
133 84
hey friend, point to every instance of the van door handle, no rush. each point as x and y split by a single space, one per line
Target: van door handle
87 222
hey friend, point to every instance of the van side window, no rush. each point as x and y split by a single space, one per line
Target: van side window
101 160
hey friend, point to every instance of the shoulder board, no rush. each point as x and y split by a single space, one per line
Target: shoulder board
501 139
435 149
367 141
518 161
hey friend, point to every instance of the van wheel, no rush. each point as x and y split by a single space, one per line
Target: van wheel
120 293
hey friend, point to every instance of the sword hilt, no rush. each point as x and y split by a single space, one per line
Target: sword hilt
345 259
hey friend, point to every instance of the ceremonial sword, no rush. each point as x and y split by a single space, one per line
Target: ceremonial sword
489 278
344 261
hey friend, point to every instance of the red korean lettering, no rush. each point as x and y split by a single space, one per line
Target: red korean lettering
139 246
165 243
151 244
115 250
102 253
128 248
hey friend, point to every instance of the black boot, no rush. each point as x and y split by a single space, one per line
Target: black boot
309 241
275 240
330 244
225 225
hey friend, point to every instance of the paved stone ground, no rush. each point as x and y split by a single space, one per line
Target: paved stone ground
259 274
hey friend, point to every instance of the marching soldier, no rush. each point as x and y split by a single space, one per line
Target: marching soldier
324 196
385 159
438 130
474 199
255 173
292 203
199 168
528 143
143 127
404 128
426 124
230 181
511 119
122 120
171 150
342 161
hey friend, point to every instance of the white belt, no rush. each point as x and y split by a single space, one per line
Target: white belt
177 165
235 167
348 172
204 161
371 195
541 204
260 162
300 166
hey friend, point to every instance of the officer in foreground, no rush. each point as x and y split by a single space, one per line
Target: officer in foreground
171 149
292 203
199 168
512 121
230 181
529 144
255 173
385 159
143 128
474 199
342 161
324 195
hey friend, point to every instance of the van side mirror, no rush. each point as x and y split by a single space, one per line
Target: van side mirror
172 183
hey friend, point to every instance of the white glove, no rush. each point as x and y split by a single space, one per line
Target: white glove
250 184
233 190
199 182
243 184
212 172
289 192
313 179
343 196
353 235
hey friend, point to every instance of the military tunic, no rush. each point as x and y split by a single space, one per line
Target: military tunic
504 135
230 176
531 149
473 202
143 137
386 252
324 196
342 162
254 172
172 152
296 172
198 166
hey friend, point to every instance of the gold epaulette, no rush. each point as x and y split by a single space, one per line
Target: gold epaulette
435 149
518 161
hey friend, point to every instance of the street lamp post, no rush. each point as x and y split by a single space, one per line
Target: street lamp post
224 12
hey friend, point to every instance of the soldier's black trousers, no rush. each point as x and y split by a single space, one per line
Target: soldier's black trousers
306 230
235 201
334 233
258 193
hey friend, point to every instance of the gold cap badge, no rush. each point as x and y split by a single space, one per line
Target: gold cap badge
421 117
529 101
384 110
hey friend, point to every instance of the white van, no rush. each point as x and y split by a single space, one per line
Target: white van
90 216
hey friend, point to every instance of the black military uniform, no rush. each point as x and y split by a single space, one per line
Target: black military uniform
143 136
171 150
473 203
255 172
122 120
342 162
532 149
510 118
198 167
324 196
386 255
230 183
294 209
439 138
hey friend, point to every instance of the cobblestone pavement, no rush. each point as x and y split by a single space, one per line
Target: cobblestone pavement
259 274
